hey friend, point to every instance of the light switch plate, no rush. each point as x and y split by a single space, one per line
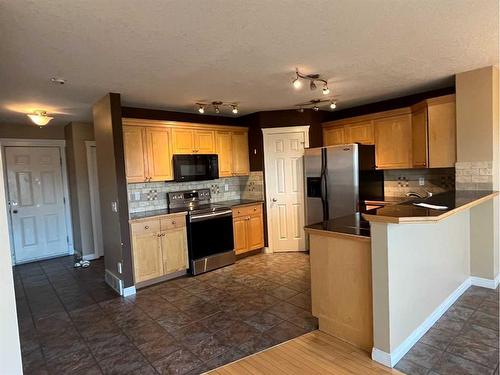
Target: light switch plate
137 196
114 206
421 181
226 187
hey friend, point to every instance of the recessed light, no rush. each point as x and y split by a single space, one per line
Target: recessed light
60 81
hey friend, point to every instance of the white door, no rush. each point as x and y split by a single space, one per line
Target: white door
95 204
284 157
36 196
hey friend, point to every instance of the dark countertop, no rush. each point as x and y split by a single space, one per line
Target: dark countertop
354 225
169 211
408 212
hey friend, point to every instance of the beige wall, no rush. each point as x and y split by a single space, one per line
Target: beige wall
76 134
10 351
28 131
415 268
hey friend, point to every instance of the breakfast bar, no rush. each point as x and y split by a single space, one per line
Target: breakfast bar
381 279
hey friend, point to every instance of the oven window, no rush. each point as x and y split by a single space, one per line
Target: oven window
211 236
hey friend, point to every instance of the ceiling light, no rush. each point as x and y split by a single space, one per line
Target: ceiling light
297 84
326 90
60 81
235 109
333 105
217 110
313 86
40 117
201 109
315 108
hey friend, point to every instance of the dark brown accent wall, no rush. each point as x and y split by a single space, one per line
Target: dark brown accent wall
386 105
113 186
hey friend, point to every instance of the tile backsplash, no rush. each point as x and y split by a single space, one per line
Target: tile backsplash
436 180
153 195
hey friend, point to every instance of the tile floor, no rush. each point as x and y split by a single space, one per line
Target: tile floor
71 322
464 341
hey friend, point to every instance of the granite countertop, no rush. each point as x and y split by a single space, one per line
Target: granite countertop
169 211
353 225
407 212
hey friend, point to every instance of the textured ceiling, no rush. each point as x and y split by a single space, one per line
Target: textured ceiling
170 54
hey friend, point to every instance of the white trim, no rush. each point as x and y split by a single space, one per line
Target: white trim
61 144
94 219
278 130
90 257
390 359
485 283
130 291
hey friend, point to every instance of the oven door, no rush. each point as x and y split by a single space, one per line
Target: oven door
195 167
210 234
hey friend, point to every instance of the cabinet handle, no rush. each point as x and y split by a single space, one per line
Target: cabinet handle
173 222
146 227
255 209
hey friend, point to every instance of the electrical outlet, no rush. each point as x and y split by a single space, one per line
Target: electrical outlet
114 206
119 267
137 196
421 181
226 187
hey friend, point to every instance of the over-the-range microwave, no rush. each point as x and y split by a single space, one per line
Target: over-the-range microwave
196 167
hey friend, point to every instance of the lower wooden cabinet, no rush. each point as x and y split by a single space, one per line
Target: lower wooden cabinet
248 228
159 247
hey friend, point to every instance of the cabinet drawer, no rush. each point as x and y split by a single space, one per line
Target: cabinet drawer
172 222
145 227
247 210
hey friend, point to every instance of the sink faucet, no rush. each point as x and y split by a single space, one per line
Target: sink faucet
413 194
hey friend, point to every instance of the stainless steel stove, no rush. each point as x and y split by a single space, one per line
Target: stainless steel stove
209 229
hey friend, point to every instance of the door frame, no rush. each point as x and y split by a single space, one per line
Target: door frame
90 167
271 131
56 143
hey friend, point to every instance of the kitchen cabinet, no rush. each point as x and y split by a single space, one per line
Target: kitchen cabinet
434 133
361 132
159 248
134 149
393 142
148 154
193 141
232 148
334 136
248 228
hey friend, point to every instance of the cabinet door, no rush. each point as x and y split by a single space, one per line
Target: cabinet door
241 164
361 132
183 141
442 134
393 142
255 232
333 136
419 138
135 153
159 154
148 262
225 152
204 141
240 235
174 250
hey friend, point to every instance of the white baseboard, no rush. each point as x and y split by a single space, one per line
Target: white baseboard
485 283
128 291
90 257
267 250
390 359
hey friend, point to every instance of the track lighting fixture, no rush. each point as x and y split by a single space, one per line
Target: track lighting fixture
312 78
315 104
217 107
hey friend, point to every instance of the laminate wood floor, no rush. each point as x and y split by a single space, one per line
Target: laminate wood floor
312 353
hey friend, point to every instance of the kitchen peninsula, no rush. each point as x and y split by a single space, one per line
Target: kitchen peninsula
381 279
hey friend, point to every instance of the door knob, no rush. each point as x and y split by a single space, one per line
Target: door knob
14 212
275 200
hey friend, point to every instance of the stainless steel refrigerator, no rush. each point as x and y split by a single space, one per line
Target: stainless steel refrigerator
339 179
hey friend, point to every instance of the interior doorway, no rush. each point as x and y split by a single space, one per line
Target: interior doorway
37 198
95 205
284 181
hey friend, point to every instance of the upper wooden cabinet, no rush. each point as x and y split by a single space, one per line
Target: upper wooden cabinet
423 136
148 154
393 142
193 141
232 148
150 144
334 136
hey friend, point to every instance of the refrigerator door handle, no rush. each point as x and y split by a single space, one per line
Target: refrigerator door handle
324 185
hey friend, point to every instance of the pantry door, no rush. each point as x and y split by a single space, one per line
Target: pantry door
284 175
37 203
